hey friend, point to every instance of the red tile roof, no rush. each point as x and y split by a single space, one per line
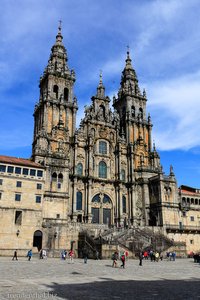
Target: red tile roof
188 192
19 161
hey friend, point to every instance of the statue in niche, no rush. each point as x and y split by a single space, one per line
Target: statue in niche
101 114
61 98
116 116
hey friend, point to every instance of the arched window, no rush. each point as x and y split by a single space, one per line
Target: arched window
183 201
102 170
123 175
79 201
96 198
79 169
102 147
54 177
60 180
55 90
123 204
106 199
60 177
66 94
132 111
141 113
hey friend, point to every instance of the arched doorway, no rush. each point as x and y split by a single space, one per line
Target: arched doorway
101 209
37 239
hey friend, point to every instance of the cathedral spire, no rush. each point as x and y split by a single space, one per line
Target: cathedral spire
100 79
128 72
59 36
128 60
100 88
129 81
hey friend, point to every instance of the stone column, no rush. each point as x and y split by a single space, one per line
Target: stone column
133 200
146 202
74 196
88 213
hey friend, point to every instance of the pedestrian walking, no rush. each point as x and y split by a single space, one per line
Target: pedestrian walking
44 253
15 255
29 254
126 255
97 255
123 260
71 255
41 254
140 258
85 255
157 256
173 255
114 259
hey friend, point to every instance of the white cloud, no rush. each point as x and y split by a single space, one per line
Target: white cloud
175 106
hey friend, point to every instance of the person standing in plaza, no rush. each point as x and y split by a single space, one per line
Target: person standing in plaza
15 255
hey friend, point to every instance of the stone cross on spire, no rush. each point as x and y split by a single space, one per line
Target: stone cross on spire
59 27
100 78
128 51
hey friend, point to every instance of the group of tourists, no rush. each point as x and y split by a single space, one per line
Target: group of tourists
171 256
196 257
43 254
29 255
122 256
64 254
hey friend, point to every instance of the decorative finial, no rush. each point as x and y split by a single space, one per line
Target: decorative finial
59 27
154 146
128 51
171 170
128 48
100 77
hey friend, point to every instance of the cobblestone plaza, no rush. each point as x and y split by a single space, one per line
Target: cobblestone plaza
57 279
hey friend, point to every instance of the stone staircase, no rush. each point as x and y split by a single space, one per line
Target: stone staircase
131 239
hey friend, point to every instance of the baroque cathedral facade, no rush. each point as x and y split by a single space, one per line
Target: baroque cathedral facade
105 173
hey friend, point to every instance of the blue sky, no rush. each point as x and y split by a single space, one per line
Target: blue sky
164 42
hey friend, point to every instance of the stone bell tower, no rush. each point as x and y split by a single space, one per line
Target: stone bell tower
55 113
54 128
136 126
134 123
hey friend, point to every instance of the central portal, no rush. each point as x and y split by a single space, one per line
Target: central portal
101 209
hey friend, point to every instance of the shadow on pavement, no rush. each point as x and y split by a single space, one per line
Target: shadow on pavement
131 289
